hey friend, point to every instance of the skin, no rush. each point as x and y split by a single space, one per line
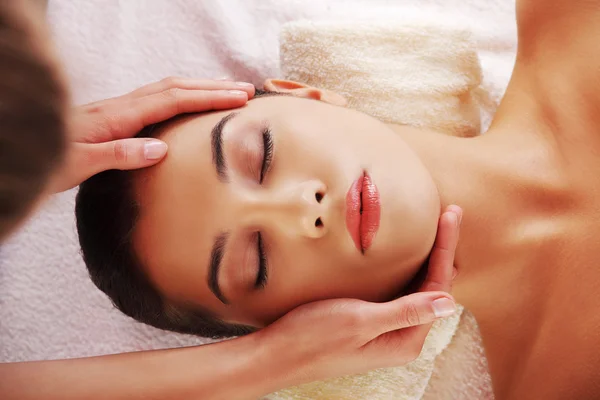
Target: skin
175 233
527 261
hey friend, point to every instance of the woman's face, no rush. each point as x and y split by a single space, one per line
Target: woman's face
247 216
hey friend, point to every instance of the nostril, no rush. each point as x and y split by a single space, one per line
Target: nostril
319 197
318 222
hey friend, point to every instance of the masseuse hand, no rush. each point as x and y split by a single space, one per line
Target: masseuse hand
101 133
343 336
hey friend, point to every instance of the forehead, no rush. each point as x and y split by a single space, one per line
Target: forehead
173 235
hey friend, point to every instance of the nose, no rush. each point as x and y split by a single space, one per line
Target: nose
298 208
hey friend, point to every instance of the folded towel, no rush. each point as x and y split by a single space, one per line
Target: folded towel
416 73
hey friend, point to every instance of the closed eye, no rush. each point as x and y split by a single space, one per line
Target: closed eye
261 277
267 138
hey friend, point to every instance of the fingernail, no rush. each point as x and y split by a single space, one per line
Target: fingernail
457 211
237 92
244 84
154 149
443 307
454 216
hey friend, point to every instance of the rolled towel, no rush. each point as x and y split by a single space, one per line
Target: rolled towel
414 73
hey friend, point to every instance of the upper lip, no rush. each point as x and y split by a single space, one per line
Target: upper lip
362 211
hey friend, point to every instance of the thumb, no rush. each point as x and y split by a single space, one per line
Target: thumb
124 154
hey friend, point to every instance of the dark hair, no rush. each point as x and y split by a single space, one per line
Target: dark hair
32 113
107 212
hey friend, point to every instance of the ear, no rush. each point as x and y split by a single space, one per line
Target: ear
302 90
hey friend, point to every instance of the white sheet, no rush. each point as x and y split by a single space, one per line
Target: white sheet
48 307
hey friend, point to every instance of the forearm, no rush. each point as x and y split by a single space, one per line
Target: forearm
234 369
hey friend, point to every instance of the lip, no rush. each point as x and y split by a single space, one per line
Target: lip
363 212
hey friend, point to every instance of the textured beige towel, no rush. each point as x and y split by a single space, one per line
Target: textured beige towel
461 371
421 75
418 74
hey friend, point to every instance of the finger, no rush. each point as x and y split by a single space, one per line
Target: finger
190 84
406 344
177 83
412 310
459 212
161 106
441 260
121 154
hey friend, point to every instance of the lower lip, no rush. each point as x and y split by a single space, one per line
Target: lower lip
363 225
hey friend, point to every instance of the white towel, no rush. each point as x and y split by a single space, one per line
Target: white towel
48 307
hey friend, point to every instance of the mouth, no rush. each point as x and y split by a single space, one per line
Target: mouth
362 212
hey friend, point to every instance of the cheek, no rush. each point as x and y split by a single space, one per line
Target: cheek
310 278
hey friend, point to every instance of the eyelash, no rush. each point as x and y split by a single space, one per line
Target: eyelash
261 278
267 154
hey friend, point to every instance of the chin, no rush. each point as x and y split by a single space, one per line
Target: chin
424 215
419 236
427 241
428 232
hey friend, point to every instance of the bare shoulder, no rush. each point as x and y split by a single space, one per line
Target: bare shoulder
559 37
556 79
566 23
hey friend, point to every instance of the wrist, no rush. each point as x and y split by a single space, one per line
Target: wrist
273 366
247 367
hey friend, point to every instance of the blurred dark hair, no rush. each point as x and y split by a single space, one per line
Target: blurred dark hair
32 113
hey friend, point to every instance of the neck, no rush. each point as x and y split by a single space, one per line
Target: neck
502 190
507 184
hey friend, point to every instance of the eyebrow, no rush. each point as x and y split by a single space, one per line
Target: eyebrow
216 257
216 142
